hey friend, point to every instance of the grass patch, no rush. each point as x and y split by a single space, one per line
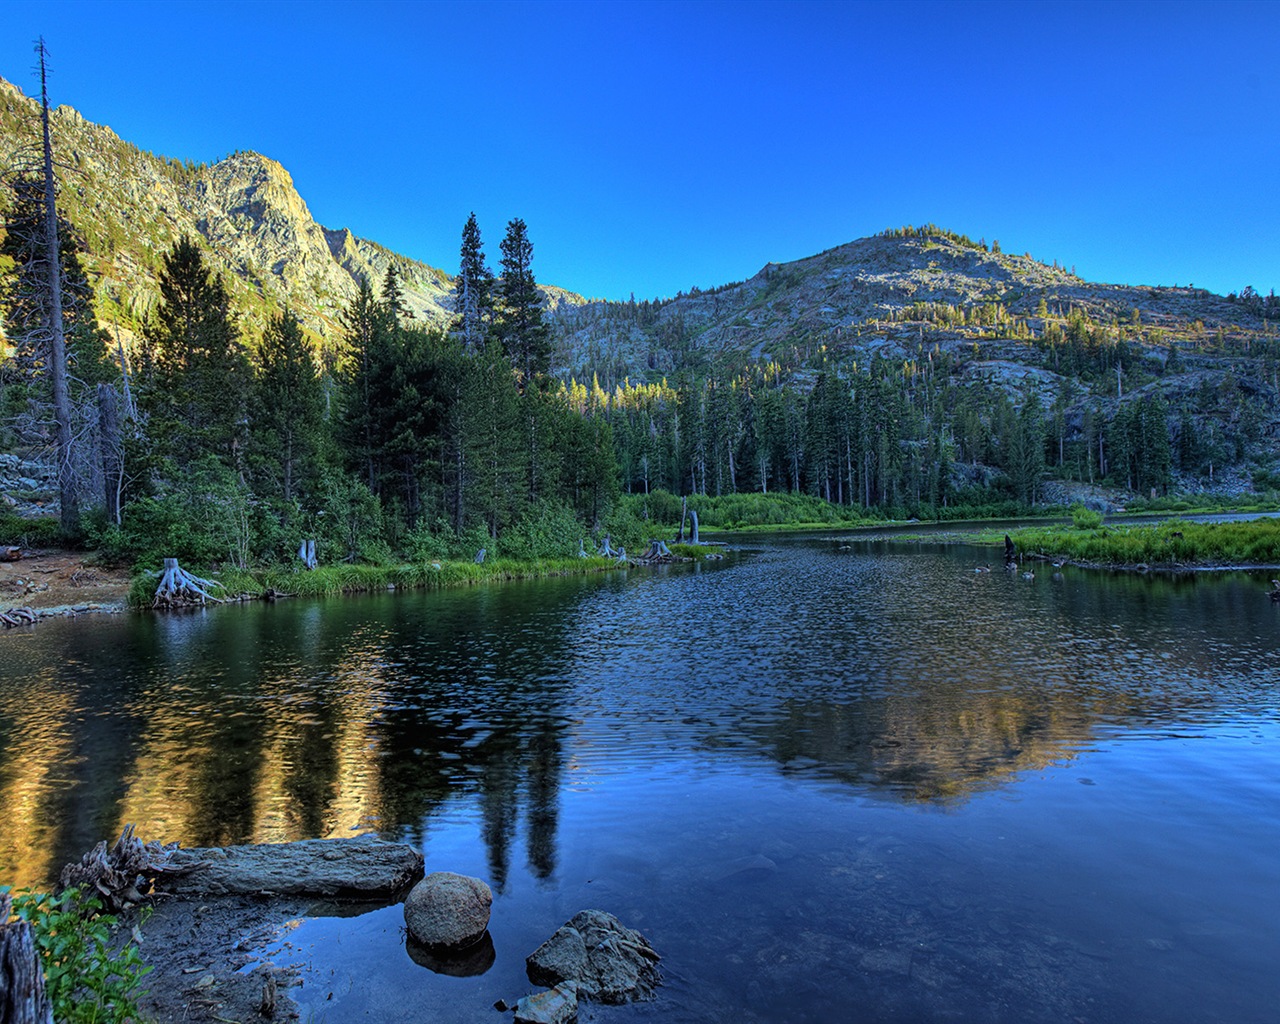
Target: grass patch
1174 542
333 580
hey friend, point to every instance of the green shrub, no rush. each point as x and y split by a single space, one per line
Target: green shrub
547 530
1085 518
88 981
44 531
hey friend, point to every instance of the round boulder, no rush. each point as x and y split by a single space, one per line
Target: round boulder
448 911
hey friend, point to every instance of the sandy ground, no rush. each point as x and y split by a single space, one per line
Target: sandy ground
53 582
205 963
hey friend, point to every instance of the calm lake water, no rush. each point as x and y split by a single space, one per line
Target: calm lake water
830 779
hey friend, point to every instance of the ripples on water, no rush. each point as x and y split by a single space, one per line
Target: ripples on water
830 779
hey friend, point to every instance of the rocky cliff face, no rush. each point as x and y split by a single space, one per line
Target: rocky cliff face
131 206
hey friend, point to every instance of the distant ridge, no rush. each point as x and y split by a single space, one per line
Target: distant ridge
131 206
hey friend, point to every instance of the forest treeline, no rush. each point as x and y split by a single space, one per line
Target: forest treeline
406 441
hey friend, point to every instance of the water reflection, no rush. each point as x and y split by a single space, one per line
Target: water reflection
891 672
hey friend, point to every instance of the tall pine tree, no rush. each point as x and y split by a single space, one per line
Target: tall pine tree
473 300
196 372
525 336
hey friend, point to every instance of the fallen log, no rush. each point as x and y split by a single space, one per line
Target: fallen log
23 998
17 617
359 867
178 588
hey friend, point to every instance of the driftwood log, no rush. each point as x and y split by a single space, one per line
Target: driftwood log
178 588
10 554
23 999
17 617
360 867
124 875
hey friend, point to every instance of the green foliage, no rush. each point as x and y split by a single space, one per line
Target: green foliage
1172 542
206 518
29 533
88 980
548 529
1083 518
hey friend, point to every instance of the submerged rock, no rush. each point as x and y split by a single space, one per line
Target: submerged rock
448 911
610 962
360 867
558 1005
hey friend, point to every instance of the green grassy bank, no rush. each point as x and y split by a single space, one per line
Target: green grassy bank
332 580
1172 543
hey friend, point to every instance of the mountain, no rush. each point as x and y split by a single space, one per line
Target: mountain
896 296
131 206
884 296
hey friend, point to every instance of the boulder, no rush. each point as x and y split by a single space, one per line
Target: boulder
610 962
555 1006
448 911
359 867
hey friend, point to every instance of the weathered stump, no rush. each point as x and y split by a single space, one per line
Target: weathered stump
178 588
23 999
307 553
124 875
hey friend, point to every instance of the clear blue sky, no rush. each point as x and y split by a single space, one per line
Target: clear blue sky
651 147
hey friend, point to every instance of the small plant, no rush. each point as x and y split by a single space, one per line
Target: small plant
1085 518
88 981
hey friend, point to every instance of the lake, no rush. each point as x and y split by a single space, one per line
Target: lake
829 778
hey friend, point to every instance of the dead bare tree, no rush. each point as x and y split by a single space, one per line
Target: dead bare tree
69 501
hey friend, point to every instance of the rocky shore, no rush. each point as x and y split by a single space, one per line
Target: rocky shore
215 910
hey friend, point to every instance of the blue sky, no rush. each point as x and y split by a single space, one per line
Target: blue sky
652 147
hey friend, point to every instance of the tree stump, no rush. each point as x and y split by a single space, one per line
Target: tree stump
307 553
23 999
179 588
480 556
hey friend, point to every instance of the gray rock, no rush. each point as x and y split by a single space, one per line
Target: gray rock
362 866
448 911
610 962
555 1006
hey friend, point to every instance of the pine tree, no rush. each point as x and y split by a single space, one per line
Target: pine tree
525 337
196 372
473 299
361 327
288 408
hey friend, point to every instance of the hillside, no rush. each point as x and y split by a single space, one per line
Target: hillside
883 296
130 206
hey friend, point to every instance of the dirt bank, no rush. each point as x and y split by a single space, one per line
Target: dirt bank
54 582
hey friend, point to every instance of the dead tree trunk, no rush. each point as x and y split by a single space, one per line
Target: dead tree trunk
23 999
693 526
109 441
684 513
70 517
307 553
